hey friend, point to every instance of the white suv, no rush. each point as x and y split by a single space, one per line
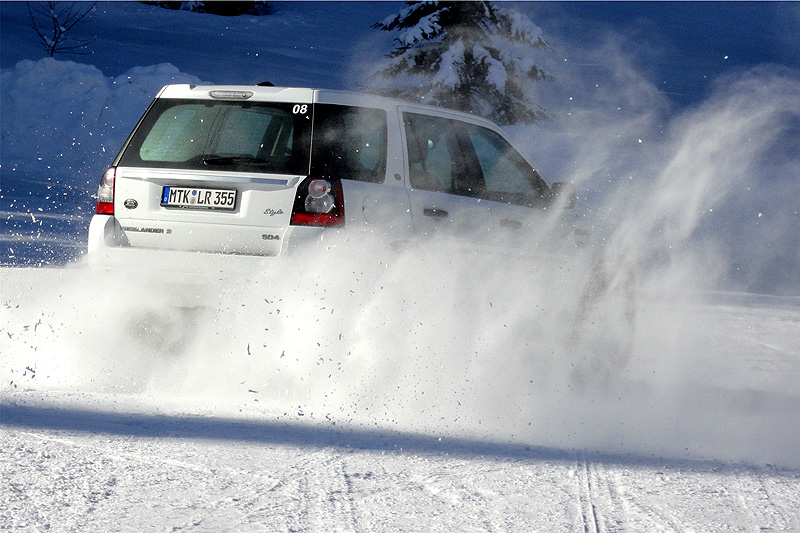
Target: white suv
245 170
260 170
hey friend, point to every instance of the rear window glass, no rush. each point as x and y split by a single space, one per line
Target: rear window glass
210 135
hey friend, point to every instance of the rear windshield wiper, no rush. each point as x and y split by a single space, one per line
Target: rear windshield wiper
233 160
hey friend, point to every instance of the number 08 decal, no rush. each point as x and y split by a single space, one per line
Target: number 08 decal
300 109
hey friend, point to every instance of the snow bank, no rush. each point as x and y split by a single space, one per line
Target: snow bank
67 119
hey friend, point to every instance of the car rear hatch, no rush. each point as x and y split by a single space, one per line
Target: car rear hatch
214 169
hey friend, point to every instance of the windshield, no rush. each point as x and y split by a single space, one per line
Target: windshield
210 135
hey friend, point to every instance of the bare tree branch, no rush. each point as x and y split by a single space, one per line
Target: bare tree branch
61 17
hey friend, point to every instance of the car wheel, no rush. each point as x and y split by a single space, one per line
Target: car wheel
166 332
602 332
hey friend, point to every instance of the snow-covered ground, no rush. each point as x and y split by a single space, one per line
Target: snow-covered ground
369 394
281 415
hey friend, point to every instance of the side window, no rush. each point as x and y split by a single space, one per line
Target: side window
349 143
437 159
507 176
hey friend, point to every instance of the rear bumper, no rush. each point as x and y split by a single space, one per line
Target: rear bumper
225 238
108 249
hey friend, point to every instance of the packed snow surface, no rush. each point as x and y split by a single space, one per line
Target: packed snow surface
284 407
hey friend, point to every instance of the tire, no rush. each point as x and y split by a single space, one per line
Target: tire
165 332
603 330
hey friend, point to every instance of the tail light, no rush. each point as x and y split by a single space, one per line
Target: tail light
318 203
105 193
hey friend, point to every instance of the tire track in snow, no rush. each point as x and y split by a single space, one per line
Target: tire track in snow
614 515
787 523
327 496
602 508
763 511
586 506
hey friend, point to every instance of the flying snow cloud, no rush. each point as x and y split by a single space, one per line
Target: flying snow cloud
713 185
425 342
723 193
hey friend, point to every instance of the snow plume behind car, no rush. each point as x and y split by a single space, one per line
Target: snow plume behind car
717 178
721 207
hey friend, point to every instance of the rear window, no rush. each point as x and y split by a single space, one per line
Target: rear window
264 137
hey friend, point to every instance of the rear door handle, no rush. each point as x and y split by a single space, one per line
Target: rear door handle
435 213
509 223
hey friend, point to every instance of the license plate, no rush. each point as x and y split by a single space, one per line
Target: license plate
198 198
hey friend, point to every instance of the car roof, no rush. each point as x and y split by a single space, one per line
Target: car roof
237 92
259 93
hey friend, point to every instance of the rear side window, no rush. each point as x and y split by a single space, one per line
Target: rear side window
349 143
210 135
438 158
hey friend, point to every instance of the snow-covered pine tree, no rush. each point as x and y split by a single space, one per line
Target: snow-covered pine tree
470 56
